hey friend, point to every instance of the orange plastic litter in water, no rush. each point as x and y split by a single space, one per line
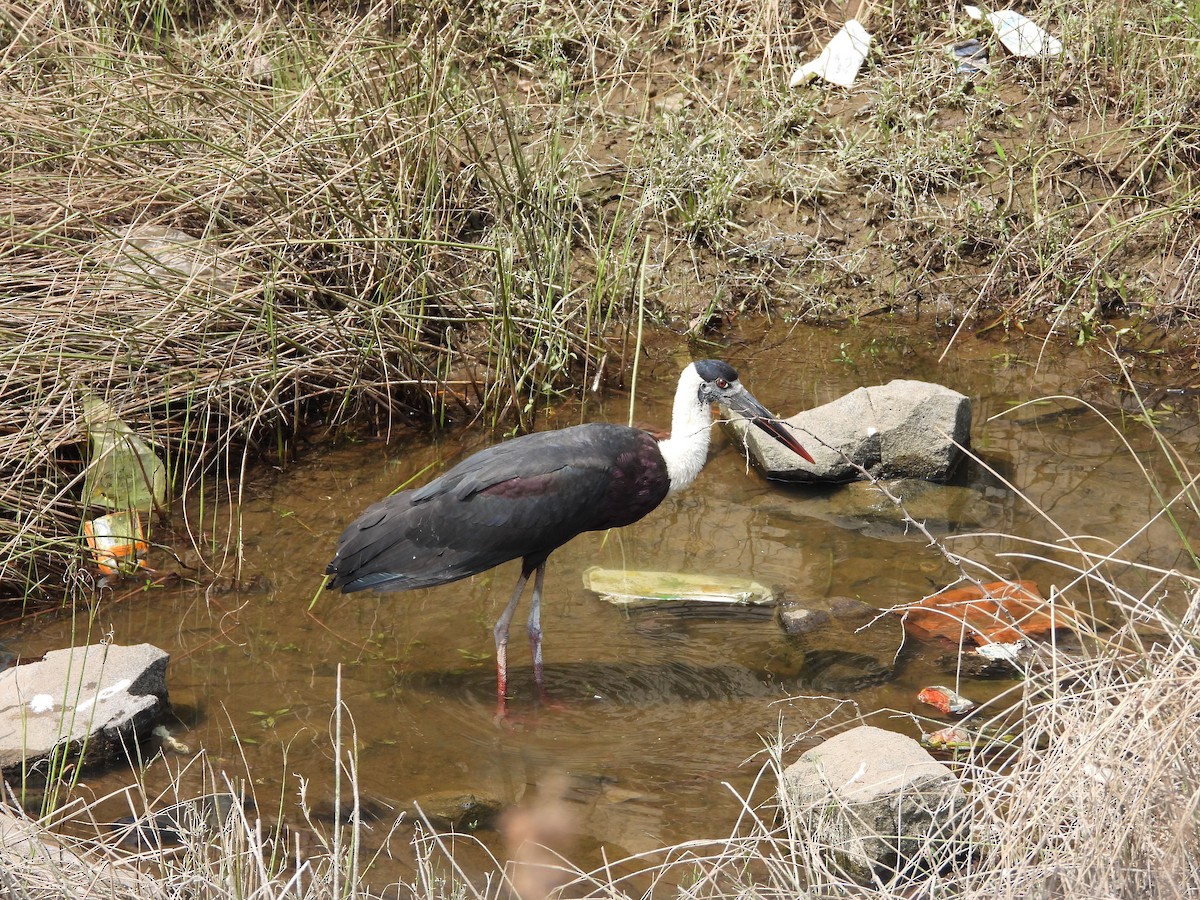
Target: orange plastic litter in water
946 700
1002 612
116 542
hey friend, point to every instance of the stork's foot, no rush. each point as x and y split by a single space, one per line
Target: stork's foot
507 720
527 719
502 718
549 704
504 721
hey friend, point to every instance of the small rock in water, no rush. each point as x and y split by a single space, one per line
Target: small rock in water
797 619
457 810
196 818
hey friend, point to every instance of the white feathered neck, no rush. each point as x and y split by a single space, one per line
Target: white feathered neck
686 450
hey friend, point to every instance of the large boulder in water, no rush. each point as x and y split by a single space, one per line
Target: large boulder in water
92 704
902 429
876 801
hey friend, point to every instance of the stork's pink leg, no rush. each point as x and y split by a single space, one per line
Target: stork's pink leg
500 632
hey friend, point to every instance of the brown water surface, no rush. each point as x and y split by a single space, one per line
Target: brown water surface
659 710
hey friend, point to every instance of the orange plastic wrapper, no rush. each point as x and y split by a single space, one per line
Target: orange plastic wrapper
1003 612
116 542
946 700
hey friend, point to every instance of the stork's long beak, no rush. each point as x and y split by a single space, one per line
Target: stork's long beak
743 403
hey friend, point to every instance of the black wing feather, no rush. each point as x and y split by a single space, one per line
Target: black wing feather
521 498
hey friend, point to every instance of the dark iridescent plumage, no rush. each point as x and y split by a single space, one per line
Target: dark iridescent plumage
522 498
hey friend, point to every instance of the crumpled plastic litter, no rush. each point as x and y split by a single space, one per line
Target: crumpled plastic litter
841 59
972 56
1021 36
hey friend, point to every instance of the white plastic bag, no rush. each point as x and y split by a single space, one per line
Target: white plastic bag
1019 35
841 59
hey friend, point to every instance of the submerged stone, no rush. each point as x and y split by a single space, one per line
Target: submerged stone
196 819
862 507
366 807
844 672
456 810
939 506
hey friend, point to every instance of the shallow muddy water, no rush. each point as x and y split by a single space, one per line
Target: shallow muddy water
657 710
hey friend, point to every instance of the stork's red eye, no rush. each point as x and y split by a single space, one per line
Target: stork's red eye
722 383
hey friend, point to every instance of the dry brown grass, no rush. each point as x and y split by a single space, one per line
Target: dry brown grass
360 257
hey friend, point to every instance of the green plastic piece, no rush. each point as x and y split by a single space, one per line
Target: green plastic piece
123 471
631 588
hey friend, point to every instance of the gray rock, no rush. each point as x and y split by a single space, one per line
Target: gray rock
97 702
196 819
903 429
836 435
371 808
876 801
833 671
851 608
797 619
922 427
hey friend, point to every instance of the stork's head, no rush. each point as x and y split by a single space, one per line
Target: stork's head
719 384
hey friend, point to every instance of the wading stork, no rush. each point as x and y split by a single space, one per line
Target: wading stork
525 497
